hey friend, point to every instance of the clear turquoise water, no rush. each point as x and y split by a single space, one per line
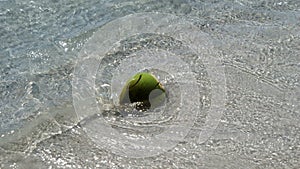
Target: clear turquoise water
257 42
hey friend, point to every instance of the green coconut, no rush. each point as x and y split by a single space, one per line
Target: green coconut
144 89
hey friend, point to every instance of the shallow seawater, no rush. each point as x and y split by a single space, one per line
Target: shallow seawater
231 70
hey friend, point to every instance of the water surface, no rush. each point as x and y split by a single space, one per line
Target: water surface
257 44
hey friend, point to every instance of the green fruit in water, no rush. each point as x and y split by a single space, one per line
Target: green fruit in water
143 88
